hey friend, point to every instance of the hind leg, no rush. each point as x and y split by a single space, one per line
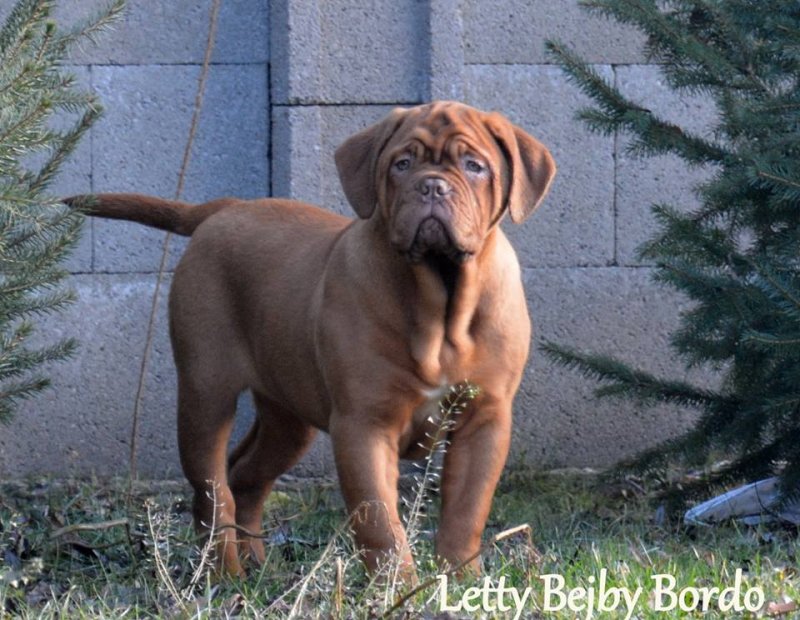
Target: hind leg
205 420
275 442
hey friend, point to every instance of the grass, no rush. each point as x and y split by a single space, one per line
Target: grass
579 527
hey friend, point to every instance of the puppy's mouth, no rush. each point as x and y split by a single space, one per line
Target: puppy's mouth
433 242
434 247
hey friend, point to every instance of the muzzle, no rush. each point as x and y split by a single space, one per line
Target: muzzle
432 238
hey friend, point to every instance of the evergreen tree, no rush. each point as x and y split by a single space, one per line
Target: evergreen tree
36 233
737 255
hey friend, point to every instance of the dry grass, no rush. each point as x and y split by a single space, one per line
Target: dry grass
91 549
155 567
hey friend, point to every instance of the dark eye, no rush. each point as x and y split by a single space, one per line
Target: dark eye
474 166
402 164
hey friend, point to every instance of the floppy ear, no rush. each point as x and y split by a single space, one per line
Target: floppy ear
357 161
531 168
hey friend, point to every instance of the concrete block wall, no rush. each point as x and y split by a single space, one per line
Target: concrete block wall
290 80
145 71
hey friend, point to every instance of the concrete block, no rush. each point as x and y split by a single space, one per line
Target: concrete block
338 124
309 136
296 39
666 179
558 421
514 32
80 259
446 27
153 31
138 146
575 224
346 51
76 172
82 424
297 153
75 175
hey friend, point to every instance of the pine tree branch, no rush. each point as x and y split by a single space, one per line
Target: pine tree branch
737 256
673 43
772 177
626 381
778 285
618 113
36 232
64 148
16 31
101 21
35 115
11 393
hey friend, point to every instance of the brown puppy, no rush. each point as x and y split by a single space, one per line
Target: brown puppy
356 327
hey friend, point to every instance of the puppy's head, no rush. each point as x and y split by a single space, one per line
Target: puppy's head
442 175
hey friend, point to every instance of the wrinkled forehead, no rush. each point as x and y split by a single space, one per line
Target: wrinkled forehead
443 130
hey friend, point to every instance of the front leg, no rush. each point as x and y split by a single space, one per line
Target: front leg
472 466
366 454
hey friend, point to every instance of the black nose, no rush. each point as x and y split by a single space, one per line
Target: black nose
433 186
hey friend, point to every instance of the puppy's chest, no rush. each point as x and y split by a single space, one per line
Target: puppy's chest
440 412
428 423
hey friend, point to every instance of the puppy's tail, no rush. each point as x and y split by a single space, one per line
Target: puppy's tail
172 215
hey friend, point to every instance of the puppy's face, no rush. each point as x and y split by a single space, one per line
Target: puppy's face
441 183
442 175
